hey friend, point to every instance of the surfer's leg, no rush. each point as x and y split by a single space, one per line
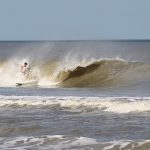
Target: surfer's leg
26 76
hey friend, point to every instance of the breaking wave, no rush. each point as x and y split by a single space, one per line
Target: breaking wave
99 73
83 73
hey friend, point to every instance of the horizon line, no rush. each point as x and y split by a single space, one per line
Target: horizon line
121 40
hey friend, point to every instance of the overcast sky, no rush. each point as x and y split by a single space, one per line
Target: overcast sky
74 19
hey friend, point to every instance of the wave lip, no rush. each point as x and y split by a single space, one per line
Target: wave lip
81 104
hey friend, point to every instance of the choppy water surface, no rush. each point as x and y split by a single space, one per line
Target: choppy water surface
90 95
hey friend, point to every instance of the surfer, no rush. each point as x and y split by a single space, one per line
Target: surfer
25 70
26 76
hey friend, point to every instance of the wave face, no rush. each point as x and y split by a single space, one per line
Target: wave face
104 72
68 64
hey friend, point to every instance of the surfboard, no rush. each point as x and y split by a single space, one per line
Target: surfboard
27 83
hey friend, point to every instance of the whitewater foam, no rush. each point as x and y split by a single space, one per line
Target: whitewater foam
45 142
69 142
82 104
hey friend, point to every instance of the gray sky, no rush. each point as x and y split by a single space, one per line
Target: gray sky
74 19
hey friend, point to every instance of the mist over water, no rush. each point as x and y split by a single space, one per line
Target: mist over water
88 95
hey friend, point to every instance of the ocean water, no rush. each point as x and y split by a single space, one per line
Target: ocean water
89 95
